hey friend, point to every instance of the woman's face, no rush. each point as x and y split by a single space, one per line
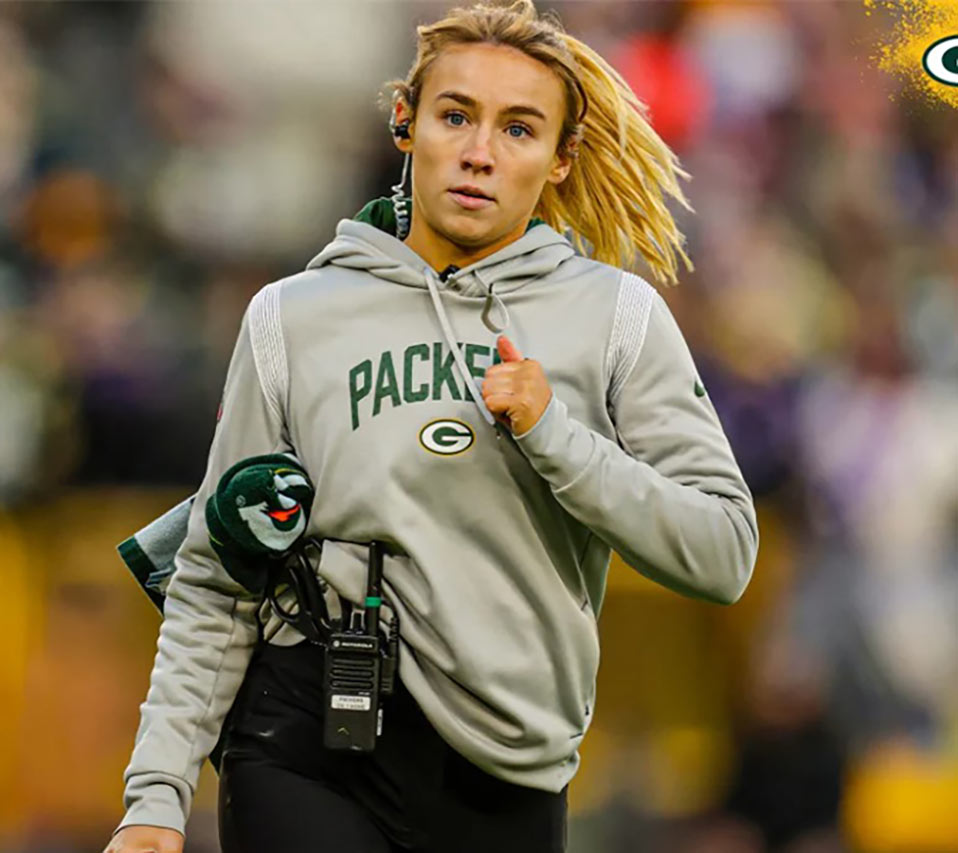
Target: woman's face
484 144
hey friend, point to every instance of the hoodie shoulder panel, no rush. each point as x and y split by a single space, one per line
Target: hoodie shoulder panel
269 348
269 337
629 325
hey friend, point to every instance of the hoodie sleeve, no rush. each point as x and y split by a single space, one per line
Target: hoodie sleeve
209 626
669 496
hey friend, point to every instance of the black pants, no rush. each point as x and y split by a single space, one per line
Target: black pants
281 791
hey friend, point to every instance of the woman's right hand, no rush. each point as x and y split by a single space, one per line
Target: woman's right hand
146 839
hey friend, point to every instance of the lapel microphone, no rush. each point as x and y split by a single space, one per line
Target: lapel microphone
448 271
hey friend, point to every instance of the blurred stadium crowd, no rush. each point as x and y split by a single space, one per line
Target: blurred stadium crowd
159 162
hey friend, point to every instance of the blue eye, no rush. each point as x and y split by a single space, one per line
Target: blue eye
522 131
460 119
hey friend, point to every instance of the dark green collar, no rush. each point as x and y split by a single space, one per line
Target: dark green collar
379 213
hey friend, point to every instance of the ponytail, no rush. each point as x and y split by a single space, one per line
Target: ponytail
614 195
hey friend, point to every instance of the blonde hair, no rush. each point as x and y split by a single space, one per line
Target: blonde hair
613 198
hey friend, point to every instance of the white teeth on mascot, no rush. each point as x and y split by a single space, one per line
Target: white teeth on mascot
290 481
287 502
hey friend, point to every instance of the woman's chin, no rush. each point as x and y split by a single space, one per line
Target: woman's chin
469 234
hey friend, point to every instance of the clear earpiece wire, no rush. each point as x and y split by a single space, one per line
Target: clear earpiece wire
401 203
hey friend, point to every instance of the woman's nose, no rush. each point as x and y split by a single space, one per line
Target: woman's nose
477 155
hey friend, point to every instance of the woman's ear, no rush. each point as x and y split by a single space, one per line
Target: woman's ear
402 126
565 157
561 164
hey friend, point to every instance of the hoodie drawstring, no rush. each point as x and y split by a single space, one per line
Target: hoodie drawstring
454 346
492 304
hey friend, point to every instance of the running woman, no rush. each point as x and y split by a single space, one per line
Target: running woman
475 381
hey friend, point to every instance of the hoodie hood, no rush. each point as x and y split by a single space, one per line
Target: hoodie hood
366 243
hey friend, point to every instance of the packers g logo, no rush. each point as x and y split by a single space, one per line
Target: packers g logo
447 437
941 60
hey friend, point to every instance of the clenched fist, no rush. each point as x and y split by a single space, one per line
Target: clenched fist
145 839
516 391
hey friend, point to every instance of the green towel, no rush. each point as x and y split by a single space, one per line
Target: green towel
149 552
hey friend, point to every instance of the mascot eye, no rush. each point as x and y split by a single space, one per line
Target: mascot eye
941 60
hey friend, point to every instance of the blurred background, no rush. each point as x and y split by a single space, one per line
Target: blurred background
160 162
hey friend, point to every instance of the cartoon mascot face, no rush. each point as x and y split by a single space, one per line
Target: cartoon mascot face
260 510
278 521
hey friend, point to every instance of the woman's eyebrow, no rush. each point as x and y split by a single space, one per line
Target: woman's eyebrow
517 109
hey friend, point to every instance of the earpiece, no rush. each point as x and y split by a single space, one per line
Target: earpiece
399 200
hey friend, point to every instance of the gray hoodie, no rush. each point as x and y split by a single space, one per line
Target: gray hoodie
366 366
